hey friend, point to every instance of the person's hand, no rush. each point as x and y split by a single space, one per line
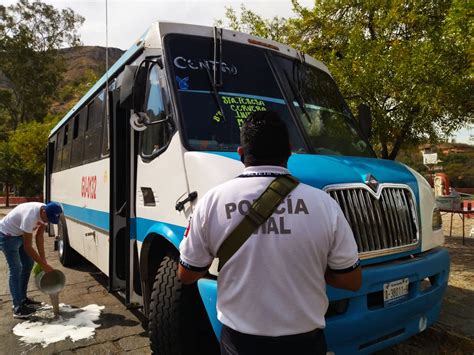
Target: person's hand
47 268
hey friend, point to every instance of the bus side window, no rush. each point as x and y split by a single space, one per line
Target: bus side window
158 135
59 150
79 127
105 131
93 134
66 158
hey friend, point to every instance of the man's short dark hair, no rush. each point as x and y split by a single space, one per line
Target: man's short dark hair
264 137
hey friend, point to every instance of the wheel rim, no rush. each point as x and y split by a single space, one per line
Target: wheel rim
61 246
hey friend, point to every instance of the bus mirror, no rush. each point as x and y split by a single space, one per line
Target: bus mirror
365 120
139 88
126 88
139 121
132 89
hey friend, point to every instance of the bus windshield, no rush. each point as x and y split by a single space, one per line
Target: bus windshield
323 113
248 84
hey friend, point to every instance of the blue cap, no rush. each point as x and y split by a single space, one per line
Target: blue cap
53 211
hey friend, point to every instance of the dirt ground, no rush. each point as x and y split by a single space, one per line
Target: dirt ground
454 331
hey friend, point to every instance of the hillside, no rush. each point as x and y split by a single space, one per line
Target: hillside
84 65
81 59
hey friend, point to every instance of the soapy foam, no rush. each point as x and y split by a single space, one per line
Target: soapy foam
74 323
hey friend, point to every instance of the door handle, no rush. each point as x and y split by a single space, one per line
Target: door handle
191 197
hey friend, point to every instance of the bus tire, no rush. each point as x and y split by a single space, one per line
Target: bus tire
67 255
164 322
178 323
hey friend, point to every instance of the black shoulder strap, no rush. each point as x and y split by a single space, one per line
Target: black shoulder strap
259 212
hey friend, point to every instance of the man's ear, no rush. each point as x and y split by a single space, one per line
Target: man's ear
43 215
241 152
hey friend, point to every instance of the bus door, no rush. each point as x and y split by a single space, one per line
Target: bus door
119 193
47 183
160 179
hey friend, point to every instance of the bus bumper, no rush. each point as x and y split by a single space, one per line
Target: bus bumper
364 324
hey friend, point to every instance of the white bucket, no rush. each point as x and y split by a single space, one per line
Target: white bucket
51 282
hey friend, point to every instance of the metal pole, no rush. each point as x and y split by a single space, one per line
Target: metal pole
107 113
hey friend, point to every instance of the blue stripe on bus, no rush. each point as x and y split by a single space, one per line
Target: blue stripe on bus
95 218
171 232
264 98
140 227
257 97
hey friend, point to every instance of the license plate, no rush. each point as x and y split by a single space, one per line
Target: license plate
395 291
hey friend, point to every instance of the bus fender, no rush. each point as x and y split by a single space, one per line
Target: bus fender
172 235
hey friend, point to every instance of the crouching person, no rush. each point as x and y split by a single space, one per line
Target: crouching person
16 242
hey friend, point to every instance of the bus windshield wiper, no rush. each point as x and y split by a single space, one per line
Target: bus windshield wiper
215 80
216 94
298 97
217 67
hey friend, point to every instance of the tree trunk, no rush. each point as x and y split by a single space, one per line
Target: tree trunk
396 148
401 137
384 150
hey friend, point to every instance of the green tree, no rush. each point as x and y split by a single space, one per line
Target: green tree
410 61
9 168
27 146
276 28
30 35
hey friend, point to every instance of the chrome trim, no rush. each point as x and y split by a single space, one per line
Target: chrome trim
384 221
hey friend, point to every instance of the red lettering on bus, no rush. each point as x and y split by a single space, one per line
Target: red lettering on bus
89 187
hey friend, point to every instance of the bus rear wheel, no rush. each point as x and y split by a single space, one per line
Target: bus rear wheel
67 255
178 323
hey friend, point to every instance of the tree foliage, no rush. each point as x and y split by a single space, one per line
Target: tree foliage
9 168
27 147
30 35
408 60
31 69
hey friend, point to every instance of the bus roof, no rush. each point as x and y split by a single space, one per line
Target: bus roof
152 39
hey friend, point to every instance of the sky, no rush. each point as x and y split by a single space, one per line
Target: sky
129 19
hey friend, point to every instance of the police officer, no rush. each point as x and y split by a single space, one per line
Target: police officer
16 239
272 291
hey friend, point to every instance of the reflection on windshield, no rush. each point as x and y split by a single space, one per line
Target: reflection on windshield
323 113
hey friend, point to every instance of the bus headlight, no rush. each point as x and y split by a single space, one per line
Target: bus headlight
437 222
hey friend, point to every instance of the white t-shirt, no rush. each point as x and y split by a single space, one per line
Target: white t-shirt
22 219
274 285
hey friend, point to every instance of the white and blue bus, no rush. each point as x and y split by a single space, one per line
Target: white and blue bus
131 159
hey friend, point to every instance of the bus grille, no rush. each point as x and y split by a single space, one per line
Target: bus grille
381 222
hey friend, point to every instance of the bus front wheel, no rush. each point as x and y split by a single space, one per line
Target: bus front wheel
178 323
